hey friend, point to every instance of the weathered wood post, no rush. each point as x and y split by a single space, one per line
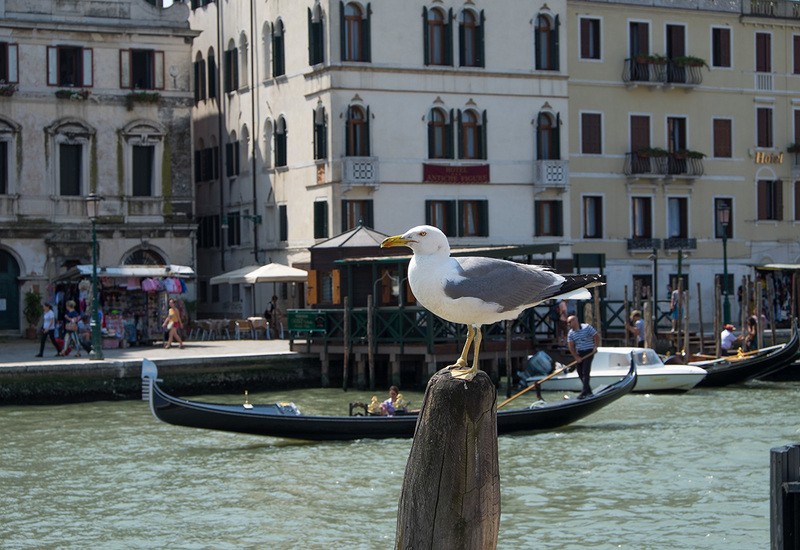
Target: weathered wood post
700 329
451 490
371 341
346 343
784 497
509 375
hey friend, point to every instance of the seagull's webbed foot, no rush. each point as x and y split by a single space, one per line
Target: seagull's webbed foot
460 369
463 373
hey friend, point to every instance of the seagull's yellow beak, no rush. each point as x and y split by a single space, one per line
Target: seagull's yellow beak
397 240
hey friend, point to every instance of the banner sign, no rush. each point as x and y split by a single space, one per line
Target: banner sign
442 173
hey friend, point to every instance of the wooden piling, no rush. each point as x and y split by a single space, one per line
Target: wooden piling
371 341
451 491
700 329
346 344
784 493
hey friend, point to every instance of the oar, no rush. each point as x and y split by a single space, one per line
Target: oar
539 382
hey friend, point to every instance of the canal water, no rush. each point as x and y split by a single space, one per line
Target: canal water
648 472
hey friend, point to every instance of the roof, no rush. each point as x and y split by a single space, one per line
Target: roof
499 251
124 271
361 236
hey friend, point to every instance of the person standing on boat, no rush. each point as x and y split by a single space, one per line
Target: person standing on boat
582 340
636 327
751 338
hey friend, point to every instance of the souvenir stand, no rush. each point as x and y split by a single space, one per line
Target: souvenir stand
133 298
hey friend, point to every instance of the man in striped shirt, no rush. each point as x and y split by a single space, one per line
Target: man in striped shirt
582 340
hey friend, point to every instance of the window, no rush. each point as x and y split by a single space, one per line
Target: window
797 200
472 135
320 133
592 217
232 157
230 65
234 229
283 223
590 38
723 137
244 49
639 45
591 134
440 135
763 52
355 213
676 41
438 38
678 217
280 142
212 75
796 54
676 142
548 141
718 229
473 218
470 39
8 62
142 69
70 168
206 167
69 66
208 232
548 219
4 184
316 36
199 69
357 127
143 166
546 43
720 47
71 141
642 217
278 51
764 127
355 37
320 220
441 214
770 200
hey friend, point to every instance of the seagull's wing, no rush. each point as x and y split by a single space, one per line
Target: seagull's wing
508 284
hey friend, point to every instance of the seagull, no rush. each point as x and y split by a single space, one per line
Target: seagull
477 291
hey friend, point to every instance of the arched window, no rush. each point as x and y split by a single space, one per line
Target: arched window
470 39
9 132
231 67
357 144
212 74
440 134
355 37
280 142
320 133
199 68
71 140
316 36
546 43
268 139
244 150
472 135
232 156
278 51
142 155
547 137
243 59
438 37
144 256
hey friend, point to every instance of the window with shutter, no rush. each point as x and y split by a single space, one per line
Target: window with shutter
720 47
764 127
763 52
723 137
589 38
591 134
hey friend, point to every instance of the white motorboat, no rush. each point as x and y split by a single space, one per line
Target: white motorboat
612 363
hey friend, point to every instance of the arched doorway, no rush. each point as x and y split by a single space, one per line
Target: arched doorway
9 292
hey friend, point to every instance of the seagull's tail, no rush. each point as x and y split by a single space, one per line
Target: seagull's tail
575 287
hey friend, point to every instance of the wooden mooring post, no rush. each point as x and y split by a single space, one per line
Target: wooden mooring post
784 492
451 491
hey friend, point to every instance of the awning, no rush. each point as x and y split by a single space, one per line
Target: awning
125 271
226 278
273 273
779 267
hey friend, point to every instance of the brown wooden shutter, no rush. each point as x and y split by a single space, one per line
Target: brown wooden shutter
590 134
640 132
722 138
796 55
311 288
797 201
585 45
761 191
336 276
725 48
763 53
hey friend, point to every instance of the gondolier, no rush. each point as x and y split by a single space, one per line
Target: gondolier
582 340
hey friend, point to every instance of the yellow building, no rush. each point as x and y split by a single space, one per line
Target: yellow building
677 116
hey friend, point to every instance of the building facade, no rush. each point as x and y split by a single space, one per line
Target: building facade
314 116
95 97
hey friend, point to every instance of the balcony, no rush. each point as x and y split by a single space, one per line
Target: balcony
657 70
144 207
551 173
795 157
360 171
660 163
680 243
643 244
780 9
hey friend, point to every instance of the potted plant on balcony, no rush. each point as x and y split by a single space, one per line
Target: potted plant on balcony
656 152
33 312
73 93
689 61
7 89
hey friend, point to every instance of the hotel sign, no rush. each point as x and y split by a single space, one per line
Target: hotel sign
769 158
438 173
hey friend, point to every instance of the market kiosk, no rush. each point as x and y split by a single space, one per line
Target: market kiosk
133 298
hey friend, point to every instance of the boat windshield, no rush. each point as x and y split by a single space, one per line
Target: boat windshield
646 358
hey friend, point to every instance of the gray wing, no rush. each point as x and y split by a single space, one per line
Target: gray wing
509 284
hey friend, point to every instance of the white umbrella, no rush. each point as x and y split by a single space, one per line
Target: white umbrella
272 273
227 278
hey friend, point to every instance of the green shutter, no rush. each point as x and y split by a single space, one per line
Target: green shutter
367 45
367 146
430 139
480 47
425 39
460 138
555 57
342 41
483 153
483 218
452 216
369 214
428 217
461 38
311 43
448 39
448 136
557 138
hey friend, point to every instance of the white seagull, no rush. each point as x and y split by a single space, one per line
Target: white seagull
477 291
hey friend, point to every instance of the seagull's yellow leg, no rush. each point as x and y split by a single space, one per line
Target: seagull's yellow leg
461 371
461 362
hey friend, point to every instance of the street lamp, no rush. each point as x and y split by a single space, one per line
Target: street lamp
724 219
92 211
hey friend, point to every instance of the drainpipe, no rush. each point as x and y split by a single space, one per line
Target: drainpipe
221 130
253 90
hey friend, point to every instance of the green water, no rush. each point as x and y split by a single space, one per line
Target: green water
648 472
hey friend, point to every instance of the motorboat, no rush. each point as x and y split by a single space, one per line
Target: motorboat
612 363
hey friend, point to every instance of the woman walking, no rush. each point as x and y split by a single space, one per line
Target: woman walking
71 318
173 323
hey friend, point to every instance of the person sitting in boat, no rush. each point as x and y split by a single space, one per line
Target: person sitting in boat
728 340
395 404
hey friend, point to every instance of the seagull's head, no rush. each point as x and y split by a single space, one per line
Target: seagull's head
423 239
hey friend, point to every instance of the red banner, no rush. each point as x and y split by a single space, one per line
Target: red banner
442 173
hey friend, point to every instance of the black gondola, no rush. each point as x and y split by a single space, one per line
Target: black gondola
282 421
727 371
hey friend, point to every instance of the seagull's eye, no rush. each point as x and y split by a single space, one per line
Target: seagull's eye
423 233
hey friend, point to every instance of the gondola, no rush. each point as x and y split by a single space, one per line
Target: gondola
278 420
726 371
